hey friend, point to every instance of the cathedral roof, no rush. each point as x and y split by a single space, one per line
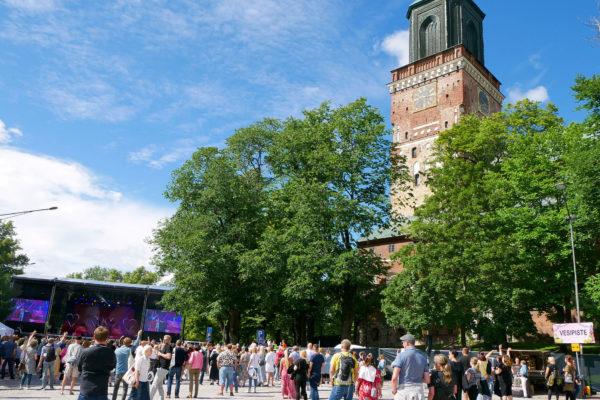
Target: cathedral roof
416 3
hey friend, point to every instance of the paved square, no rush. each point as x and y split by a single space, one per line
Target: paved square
9 389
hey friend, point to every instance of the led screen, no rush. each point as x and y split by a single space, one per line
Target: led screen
162 321
26 310
84 318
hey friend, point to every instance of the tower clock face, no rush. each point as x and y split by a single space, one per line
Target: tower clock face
425 97
484 102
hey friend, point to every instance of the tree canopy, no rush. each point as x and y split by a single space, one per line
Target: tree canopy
140 275
266 228
12 262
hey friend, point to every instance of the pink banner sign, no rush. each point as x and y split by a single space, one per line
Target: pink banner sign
574 333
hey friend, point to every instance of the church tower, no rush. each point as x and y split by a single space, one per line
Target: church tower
445 79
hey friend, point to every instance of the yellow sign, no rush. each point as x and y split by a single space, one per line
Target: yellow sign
575 347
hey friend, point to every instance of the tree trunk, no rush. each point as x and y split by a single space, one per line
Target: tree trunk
568 314
234 326
310 327
348 292
463 336
299 329
225 332
362 333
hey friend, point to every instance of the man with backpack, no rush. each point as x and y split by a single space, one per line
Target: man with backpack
410 372
343 371
46 364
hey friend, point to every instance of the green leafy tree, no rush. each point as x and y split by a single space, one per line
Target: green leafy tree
219 219
98 273
333 171
266 228
12 262
584 192
591 297
139 275
491 240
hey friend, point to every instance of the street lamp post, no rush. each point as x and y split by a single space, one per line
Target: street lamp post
562 187
19 213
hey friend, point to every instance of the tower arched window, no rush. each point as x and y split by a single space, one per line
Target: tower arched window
472 40
455 24
429 37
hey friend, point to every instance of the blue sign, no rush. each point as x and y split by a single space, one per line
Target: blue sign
209 332
261 338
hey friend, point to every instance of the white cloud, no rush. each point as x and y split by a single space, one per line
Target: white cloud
158 157
539 93
142 155
397 45
92 226
32 5
8 134
89 100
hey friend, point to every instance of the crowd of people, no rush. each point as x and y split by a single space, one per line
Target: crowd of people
142 369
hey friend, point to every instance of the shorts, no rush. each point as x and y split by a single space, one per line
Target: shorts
71 371
226 376
410 392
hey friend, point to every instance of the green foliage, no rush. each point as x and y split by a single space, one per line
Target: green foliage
140 275
12 262
266 228
219 219
591 294
587 91
492 241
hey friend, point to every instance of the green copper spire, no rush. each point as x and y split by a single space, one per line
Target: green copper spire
437 25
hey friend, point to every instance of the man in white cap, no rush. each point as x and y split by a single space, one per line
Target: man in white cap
410 372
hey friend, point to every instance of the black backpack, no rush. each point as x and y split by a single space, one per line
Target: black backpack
344 373
50 353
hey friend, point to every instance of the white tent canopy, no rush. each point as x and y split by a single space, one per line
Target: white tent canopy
5 330
352 347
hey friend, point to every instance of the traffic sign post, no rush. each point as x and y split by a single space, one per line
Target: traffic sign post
209 334
576 335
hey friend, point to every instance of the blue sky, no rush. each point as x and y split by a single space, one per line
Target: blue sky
103 99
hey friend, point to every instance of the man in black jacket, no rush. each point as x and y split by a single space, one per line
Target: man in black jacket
94 366
180 356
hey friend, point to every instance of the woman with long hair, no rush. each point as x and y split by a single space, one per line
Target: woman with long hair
244 361
28 353
472 379
270 366
299 374
485 392
253 369
442 385
142 366
214 369
368 384
570 378
553 379
195 363
504 377
287 386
